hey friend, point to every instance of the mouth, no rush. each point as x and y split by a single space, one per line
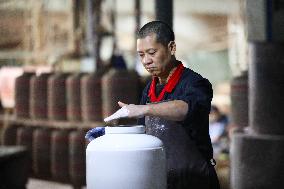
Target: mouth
149 69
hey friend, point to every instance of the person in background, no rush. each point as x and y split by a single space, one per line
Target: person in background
174 107
218 123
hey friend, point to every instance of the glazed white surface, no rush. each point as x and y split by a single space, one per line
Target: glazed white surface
126 161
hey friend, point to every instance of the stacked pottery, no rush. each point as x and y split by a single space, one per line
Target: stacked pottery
73 88
22 95
77 157
42 152
60 155
38 96
119 85
57 99
91 97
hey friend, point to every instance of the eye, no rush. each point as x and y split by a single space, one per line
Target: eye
152 53
140 55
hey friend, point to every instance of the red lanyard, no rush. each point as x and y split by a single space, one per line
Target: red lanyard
174 79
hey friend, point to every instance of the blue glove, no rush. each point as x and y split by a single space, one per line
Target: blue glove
95 133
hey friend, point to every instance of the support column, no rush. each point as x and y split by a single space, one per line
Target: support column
267 88
137 13
93 33
164 11
257 155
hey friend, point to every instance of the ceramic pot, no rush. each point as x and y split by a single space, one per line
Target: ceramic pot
126 158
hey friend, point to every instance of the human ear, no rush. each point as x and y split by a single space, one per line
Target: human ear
172 47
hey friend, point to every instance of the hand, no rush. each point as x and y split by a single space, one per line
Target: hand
95 133
127 110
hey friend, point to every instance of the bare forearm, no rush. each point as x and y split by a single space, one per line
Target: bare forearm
175 110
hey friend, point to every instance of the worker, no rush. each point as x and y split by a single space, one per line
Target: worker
174 107
218 123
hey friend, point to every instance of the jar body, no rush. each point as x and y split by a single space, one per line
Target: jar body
126 161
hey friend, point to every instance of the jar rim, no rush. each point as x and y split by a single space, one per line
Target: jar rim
125 129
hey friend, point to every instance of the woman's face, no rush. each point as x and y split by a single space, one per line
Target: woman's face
155 57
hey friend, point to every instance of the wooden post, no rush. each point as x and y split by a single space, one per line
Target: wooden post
164 11
137 13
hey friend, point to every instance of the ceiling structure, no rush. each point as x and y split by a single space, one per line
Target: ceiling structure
197 24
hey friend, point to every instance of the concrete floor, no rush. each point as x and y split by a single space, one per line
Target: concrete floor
43 184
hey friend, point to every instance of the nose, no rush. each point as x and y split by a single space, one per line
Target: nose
147 60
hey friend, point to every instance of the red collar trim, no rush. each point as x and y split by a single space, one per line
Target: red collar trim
174 79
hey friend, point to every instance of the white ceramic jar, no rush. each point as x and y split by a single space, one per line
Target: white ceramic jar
126 158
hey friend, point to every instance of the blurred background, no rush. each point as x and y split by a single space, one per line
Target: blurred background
81 36
65 63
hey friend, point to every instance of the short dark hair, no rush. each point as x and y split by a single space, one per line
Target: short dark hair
164 33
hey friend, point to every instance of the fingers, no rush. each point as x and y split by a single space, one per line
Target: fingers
121 113
121 104
109 118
